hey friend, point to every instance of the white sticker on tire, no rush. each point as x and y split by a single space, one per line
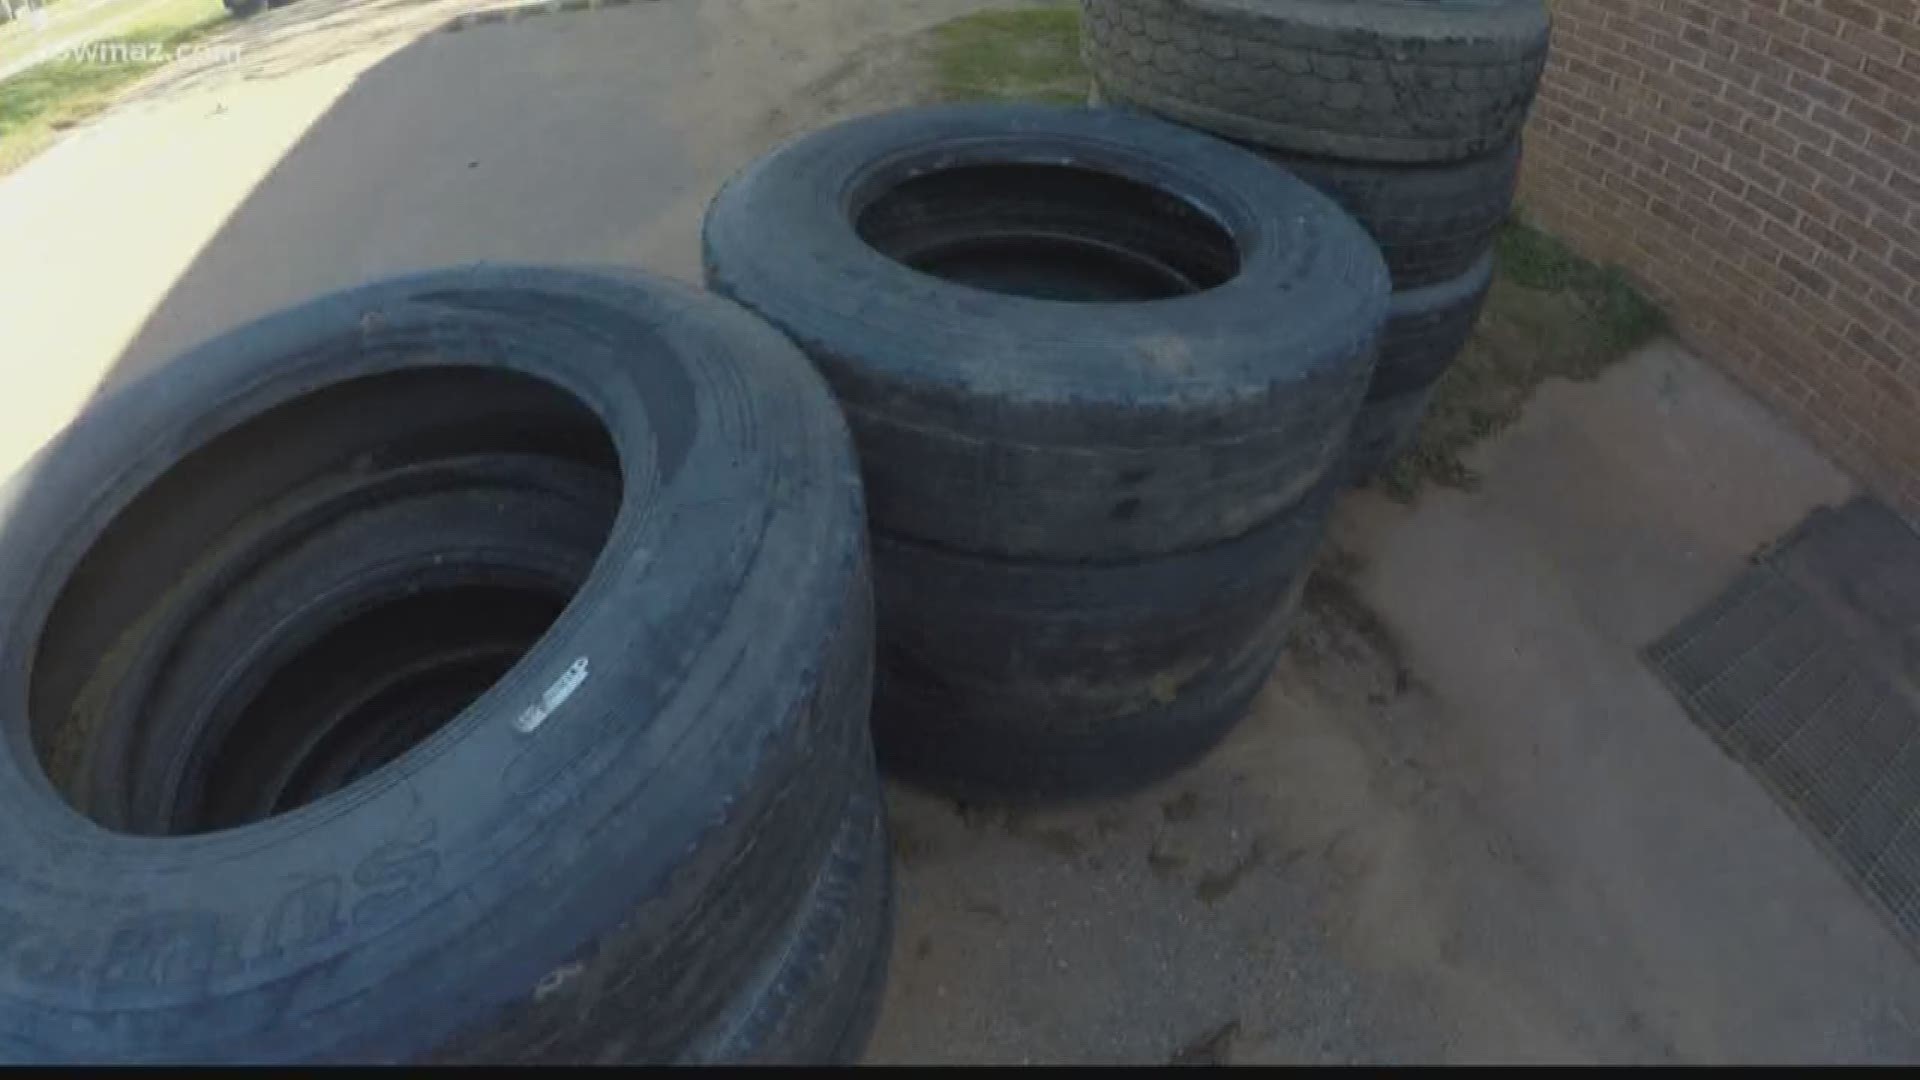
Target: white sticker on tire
556 695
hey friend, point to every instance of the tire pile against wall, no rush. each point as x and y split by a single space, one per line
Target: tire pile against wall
1100 370
1407 112
478 666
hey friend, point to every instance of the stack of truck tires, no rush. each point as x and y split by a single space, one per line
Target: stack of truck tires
472 666
1407 112
1100 370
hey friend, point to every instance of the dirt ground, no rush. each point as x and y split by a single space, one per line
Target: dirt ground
1463 822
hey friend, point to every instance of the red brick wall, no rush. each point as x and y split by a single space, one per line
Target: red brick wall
1756 165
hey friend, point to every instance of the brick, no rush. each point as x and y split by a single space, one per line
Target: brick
1852 300
1865 162
1873 348
1753 105
1855 83
1730 71
1854 11
1902 85
1872 42
1703 144
1740 33
1768 68
1797 56
1592 74
1817 89
1693 201
1790 97
1659 23
1897 311
1724 179
1889 384
1791 241
1697 13
1851 130
1786 170
1880 195
1599 136
1906 339
1904 31
1906 262
1701 38
1862 235
1826 239
1628 192
1878 119
1739 146
1898 233
1774 24
1770 135
1850 280
1816 135
1723 112
1825 164
1678 49
1780 209
1837 199
1696 78
1806 276
1813 18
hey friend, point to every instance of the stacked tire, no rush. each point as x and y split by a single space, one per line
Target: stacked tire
1407 112
1100 371
473 666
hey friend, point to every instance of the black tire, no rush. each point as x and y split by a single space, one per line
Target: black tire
1383 431
241 9
1432 222
1017 425
1029 682
816 1000
603 856
1370 80
1427 328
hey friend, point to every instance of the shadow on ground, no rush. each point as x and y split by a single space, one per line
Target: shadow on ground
576 137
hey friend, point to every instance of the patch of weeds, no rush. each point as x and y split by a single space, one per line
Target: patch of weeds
1027 54
1360 636
1550 313
46 99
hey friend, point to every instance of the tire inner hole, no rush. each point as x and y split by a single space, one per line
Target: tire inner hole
298 604
1049 232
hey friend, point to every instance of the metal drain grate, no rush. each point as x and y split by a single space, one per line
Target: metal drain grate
1802 676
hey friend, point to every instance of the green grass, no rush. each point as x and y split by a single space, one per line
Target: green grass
1550 314
1028 54
20 39
39 103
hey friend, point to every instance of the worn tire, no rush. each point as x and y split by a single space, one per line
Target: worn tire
1029 682
1432 222
1383 431
635 838
817 997
1020 427
1370 80
1427 328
